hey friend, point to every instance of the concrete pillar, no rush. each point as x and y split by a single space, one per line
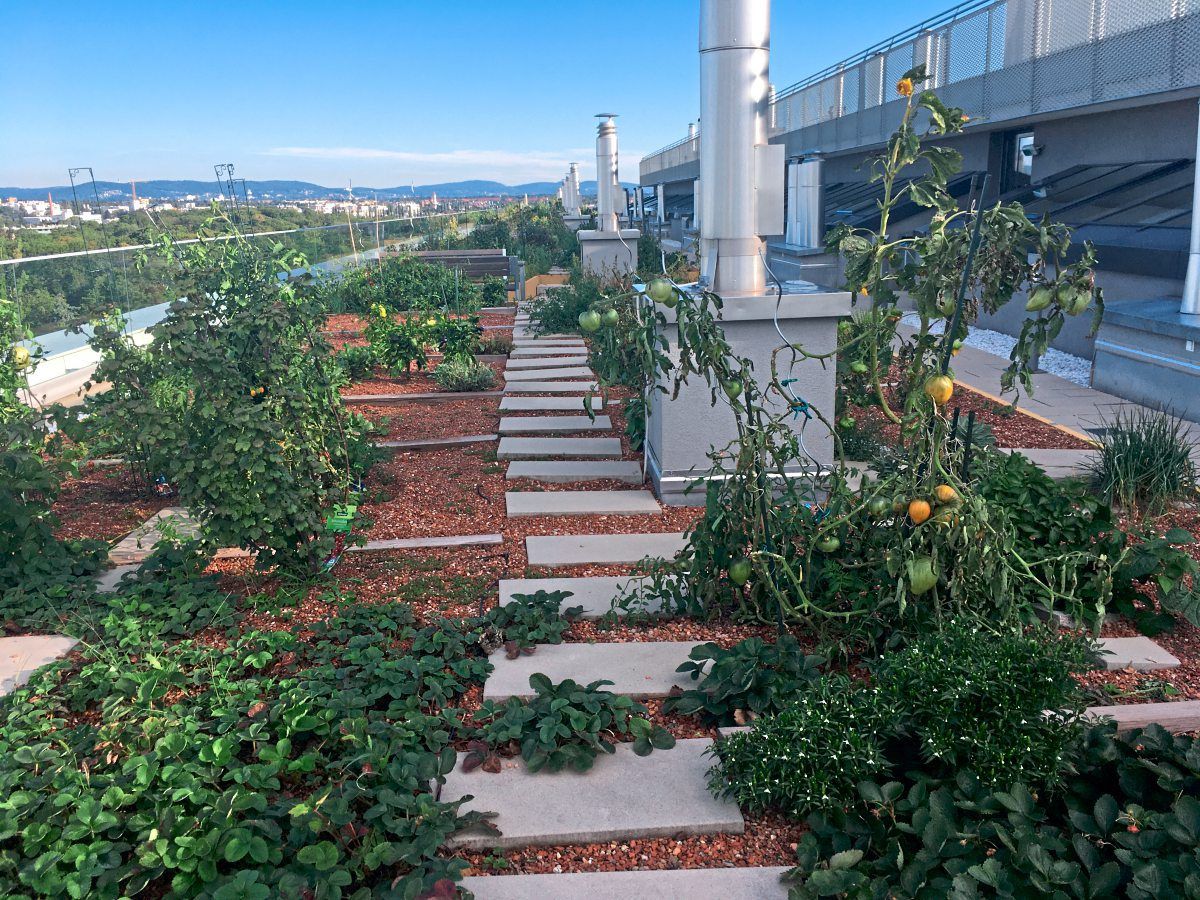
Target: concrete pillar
662 201
1191 285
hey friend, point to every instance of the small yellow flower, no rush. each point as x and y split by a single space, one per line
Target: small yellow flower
863 290
904 87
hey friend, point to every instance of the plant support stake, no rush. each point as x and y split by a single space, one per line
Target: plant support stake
966 277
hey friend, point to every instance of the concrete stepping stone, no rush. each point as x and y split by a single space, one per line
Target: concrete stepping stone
536 447
1178 717
108 581
544 362
436 443
21 656
558 350
427 397
580 549
548 404
741 883
534 424
550 387
422 543
594 593
542 374
622 797
548 342
1138 653
639 669
581 503
139 543
566 471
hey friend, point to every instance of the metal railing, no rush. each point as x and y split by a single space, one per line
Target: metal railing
998 60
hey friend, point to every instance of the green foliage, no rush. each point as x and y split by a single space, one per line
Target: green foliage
558 310
397 345
455 337
494 291
1003 705
564 725
494 343
458 374
531 619
750 679
864 343
1144 461
236 400
1127 826
356 362
399 283
809 756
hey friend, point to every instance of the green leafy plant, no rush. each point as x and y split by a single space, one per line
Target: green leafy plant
1144 460
455 337
810 755
356 362
398 345
494 291
458 374
750 679
494 343
531 619
564 725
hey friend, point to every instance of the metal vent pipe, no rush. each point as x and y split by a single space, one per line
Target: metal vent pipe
606 173
573 188
735 42
1191 285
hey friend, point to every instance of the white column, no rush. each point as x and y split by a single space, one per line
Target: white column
662 199
735 40
696 205
806 203
1191 285
606 173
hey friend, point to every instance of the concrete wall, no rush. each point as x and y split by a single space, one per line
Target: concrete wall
1145 133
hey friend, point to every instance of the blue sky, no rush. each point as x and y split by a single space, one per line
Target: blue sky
381 93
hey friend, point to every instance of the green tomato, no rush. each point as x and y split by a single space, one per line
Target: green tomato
733 388
847 422
828 544
1039 299
610 317
921 575
878 507
858 367
740 571
661 291
589 321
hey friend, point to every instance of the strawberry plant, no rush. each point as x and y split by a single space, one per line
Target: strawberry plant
531 619
564 725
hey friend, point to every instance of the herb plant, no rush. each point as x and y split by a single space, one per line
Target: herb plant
459 374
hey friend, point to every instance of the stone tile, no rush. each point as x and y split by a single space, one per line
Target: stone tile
623 796
1138 653
550 387
535 424
463 540
139 543
548 404
107 581
639 669
594 593
21 656
520 364
578 549
537 447
1178 717
581 503
545 374
547 350
425 396
740 883
566 471
436 443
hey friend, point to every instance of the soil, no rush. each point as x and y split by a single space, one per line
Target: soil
416 382
104 503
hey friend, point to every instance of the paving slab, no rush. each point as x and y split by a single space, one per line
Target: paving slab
519 364
548 342
742 883
566 471
537 447
580 549
542 374
21 656
107 581
548 404
558 350
436 443
460 540
1178 717
640 669
594 593
550 387
1138 653
534 424
581 503
422 397
622 797
139 543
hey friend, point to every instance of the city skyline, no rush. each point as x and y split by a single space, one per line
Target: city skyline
364 101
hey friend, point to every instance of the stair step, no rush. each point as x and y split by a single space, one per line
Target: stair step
741 883
550 387
581 549
622 797
423 543
1138 653
136 546
1178 717
566 471
534 424
520 364
536 447
22 655
548 404
547 350
542 374
580 503
594 593
640 669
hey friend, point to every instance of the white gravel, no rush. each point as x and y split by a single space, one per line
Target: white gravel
1075 369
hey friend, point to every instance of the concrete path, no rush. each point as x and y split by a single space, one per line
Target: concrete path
1177 717
548 404
21 656
1138 653
423 543
581 549
547 350
545 374
640 669
139 543
550 387
565 471
622 797
581 503
544 362
1059 463
539 447
550 424
594 593
742 883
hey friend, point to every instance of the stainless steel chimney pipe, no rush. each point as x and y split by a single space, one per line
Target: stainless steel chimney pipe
573 190
735 42
606 173
1191 284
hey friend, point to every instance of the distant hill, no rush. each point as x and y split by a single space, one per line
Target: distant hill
117 191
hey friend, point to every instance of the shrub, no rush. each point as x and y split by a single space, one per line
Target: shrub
564 725
809 756
458 374
494 290
1128 825
531 619
1144 460
558 310
1004 705
356 362
397 345
751 679
456 338
496 344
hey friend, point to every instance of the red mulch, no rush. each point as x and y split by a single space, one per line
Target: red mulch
337 322
104 503
417 382
444 418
